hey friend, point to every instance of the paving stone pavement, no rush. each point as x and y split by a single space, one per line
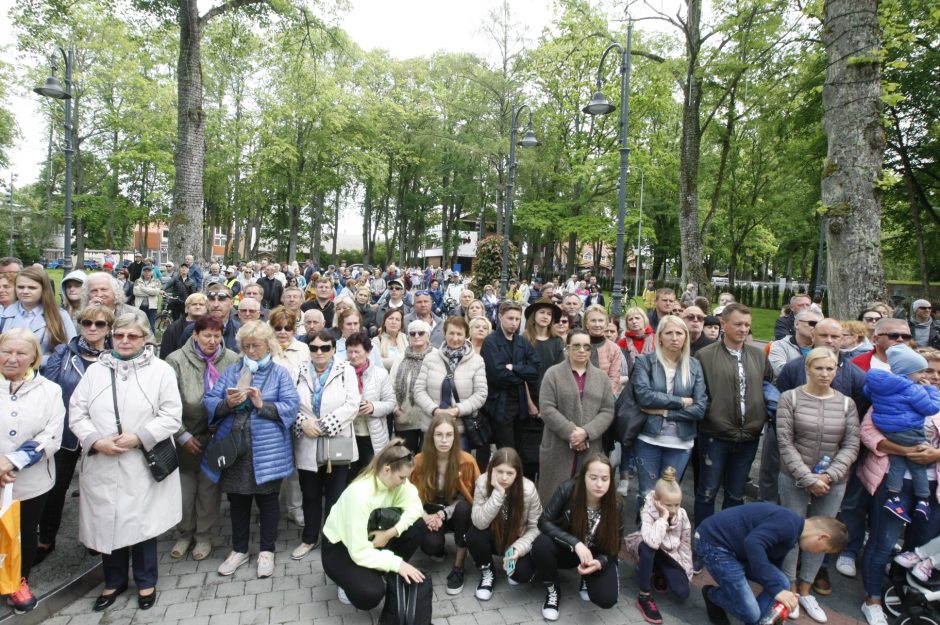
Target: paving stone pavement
192 593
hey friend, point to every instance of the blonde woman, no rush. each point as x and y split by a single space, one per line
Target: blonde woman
392 340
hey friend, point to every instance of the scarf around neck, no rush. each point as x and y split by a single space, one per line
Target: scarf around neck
211 375
359 371
86 350
406 375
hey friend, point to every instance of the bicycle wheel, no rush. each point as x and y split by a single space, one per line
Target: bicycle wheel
161 324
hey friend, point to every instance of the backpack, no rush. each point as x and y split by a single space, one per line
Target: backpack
406 604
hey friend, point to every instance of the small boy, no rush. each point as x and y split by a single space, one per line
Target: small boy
749 542
900 405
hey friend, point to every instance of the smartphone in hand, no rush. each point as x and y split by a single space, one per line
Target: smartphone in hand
510 566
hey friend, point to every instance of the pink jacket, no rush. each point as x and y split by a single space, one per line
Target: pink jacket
608 361
872 470
674 539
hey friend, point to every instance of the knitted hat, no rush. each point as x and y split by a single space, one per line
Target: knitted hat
919 303
905 361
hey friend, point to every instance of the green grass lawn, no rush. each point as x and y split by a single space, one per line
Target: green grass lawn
763 320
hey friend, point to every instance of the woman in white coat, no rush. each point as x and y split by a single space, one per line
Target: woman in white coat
329 401
378 399
31 418
122 510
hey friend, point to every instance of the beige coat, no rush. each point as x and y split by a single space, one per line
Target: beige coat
469 378
486 507
120 504
562 410
149 291
35 413
292 357
340 401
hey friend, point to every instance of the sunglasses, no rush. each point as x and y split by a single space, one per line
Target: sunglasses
897 335
100 324
130 337
580 347
216 297
694 317
871 319
563 322
283 328
421 333
325 349
811 324
924 308
394 288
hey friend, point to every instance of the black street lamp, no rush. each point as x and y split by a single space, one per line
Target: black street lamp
599 105
53 89
528 141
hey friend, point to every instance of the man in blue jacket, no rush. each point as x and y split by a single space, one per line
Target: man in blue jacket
749 543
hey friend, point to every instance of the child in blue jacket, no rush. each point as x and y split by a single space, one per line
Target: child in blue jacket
900 404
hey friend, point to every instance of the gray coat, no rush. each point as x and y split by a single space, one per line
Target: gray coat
563 410
809 428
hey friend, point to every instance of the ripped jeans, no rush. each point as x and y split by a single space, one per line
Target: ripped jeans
721 462
651 461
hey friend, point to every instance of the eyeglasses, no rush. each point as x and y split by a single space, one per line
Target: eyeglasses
87 323
321 348
283 328
394 288
130 337
580 347
871 319
256 311
897 335
563 321
811 324
694 317
421 333
215 297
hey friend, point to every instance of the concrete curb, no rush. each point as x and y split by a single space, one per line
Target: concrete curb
65 594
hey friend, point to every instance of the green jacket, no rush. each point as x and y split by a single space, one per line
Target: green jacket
189 371
723 419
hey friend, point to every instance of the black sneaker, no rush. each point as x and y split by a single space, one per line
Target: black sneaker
716 613
697 565
484 590
648 609
455 581
550 607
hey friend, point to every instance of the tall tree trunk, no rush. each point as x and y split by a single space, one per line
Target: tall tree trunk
856 142
336 227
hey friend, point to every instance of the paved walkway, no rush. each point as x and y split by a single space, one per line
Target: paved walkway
192 593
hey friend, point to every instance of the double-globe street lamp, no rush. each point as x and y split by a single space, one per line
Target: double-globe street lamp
528 141
599 105
53 89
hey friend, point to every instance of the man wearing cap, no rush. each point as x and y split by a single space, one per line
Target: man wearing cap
231 281
136 267
220 307
926 331
395 299
214 276
323 300
454 288
422 311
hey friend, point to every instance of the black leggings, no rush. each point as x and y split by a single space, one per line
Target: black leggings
65 461
655 562
366 587
364 446
30 512
458 523
549 556
317 486
482 549
240 511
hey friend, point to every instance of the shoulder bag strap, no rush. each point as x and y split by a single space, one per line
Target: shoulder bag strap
117 415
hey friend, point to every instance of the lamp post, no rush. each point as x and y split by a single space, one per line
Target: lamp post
53 89
599 105
528 141
639 239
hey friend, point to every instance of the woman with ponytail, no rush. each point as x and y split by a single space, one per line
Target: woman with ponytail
663 546
357 560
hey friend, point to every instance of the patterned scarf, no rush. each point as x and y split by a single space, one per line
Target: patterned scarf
211 375
452 358
319 382
359 371
86 350
407 373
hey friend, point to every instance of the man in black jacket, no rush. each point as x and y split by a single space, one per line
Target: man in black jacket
136 267
785 326
511 363
273 289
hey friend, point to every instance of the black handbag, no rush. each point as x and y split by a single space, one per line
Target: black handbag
161 458
382 519
476 427
628 418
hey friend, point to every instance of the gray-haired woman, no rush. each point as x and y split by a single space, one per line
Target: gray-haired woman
404 373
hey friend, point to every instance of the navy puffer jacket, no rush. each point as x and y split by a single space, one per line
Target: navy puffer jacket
899 404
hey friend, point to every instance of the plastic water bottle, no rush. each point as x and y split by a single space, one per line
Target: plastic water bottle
777 615
824 463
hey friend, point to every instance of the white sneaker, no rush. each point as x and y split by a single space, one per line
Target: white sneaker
623 488
301 550
873 614
484 591
265 564
846 566
813 609
794 613
232 562
341 595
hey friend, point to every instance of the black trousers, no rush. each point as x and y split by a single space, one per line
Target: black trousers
144 556
240 511
364 445
316 487
30 513
482 549
458 523
413 439
549 556
366 587
51 520
655 562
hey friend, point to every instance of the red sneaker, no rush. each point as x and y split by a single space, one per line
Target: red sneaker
23 600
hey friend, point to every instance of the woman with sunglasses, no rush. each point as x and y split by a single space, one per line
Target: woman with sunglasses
198 366
409 416
870 318
562 326
292 353
577 407
357 560
66 367
329 401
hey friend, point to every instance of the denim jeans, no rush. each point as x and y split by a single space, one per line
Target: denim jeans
799 500
854 514
886 529
733 592
721 462
899 464
651 460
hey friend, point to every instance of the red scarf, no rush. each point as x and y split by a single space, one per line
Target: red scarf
359 371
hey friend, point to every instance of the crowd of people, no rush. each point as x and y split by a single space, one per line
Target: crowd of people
384 410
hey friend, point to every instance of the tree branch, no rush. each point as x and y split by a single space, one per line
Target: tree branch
228 7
